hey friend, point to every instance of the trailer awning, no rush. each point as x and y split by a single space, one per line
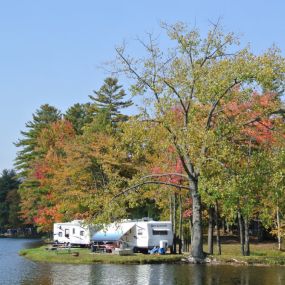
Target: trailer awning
113 232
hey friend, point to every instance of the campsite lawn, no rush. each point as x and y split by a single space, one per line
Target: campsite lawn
85 256
261 253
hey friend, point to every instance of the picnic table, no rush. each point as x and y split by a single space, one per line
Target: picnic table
63 248
98 248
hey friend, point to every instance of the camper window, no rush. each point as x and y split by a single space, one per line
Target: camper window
82 233
60 234
67 233
73 231
159 232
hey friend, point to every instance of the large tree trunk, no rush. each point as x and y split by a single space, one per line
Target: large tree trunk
210 230
218 228
246 237
197 239
241 232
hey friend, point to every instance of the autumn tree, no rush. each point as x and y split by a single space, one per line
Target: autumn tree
272 202
199 77
39 201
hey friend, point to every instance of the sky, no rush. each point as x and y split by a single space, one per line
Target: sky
53 51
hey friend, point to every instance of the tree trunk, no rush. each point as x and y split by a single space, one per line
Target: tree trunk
210 230
259 231
174 224
228 227
224 226
241 232
218 228
180 224
278 228
171 218
191 229
197 239
246 237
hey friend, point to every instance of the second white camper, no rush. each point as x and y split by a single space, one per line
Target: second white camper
140 235
73 233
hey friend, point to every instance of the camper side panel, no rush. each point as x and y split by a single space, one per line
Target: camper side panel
72 233
80 235
61 233
159 231
142 235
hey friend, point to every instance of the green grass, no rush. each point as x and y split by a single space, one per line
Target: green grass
86 257
262 253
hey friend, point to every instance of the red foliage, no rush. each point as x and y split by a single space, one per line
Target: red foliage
171 167
252 113
39 174
47 216
187 213
178 113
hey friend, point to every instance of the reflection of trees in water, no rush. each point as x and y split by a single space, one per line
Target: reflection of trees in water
163 274
58 274
36 273
71 274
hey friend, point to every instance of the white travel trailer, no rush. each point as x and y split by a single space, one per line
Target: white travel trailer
73 233
140 235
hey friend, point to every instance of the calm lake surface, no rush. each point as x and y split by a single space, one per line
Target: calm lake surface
15 269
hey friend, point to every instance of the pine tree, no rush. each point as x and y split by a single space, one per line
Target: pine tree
79 115
41 119
108 102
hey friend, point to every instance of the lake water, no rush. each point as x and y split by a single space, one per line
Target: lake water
15 269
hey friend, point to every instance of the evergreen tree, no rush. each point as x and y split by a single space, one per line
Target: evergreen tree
41 119
9 198
108 102
79 115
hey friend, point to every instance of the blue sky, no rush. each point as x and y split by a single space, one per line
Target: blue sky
50 51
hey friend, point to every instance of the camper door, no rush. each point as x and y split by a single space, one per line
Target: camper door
67 233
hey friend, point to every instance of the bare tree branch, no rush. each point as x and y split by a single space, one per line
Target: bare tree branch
214 106
134 187
134 72
189 169
166 174
177 94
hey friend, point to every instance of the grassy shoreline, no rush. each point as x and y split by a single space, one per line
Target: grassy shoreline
86 257
261 254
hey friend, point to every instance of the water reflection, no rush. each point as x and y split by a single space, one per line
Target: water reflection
18 270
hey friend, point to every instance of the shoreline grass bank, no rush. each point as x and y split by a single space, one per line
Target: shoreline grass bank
86 257
261 254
